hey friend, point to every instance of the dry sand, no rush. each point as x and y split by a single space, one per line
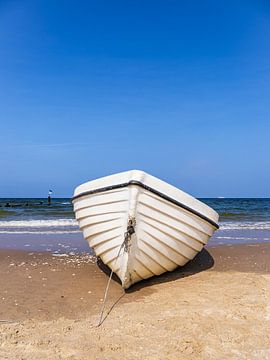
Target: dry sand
217 307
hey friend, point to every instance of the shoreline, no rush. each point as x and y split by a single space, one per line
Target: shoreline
65 242
216 306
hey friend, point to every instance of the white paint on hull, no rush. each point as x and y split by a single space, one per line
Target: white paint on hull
166 235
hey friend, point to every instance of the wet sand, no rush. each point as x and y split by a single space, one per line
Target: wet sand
218 306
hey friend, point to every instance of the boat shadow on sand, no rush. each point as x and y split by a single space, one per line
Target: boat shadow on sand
202 261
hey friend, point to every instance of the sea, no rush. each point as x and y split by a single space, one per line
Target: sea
33 225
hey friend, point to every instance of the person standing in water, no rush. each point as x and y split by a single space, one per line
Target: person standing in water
49 197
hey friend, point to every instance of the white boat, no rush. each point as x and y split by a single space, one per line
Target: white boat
141 226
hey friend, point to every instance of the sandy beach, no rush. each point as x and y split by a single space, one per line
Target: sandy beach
216 307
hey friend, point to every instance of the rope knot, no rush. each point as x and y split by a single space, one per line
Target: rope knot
128 233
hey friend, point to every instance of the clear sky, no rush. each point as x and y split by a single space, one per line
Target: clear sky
180 89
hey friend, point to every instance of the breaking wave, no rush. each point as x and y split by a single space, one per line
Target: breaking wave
51 226
38 232
247 225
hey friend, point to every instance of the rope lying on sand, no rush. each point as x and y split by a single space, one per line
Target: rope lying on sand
101 319
9 321
125 245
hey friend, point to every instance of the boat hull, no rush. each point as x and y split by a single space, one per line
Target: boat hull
139 231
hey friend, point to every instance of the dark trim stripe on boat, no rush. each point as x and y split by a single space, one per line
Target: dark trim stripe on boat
146 187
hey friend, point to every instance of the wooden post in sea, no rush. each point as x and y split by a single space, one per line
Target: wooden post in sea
49 197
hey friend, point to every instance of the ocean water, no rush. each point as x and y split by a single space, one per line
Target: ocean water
28 216
241 221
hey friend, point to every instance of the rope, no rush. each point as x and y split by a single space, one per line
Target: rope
128 233
104 300
9 321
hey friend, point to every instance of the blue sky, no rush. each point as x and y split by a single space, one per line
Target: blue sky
180 89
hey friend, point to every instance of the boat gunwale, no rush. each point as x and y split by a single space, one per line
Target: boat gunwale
146 187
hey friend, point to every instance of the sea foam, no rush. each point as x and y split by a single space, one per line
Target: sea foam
245 225
50 226
39 223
